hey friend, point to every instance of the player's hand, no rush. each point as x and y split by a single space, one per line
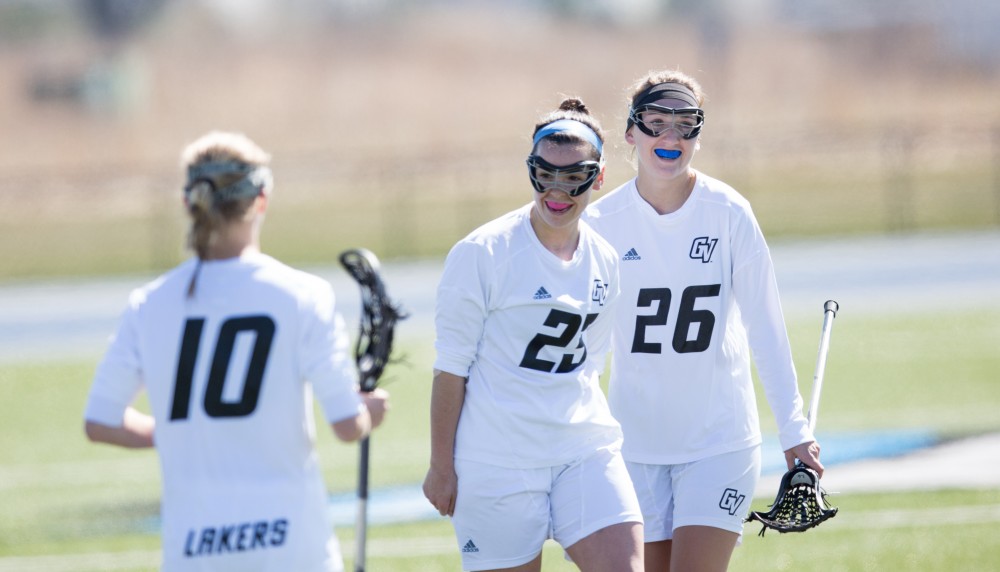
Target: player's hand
808 453
377 402
441 488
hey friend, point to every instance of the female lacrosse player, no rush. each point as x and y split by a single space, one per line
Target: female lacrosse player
230 346
698 294
523 445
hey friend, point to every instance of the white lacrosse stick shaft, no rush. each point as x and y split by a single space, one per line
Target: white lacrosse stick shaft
829 313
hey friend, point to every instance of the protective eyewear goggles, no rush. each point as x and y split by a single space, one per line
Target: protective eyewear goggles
572 179
655 120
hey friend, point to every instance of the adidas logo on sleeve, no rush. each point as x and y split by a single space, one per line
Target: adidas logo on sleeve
470 546
631 255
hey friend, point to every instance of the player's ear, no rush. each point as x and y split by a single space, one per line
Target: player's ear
599 181
628 137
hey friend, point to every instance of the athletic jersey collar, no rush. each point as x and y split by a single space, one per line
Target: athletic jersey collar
249 257
544 253
649 212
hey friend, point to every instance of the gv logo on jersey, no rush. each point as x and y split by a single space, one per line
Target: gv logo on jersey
702 248
731 500
600 293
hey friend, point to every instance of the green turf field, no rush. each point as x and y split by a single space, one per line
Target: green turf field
67 504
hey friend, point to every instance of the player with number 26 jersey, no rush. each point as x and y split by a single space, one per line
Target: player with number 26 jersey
698 294
681 319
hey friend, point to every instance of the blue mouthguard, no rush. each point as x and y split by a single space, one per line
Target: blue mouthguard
665 154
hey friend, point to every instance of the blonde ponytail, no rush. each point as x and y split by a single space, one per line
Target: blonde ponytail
226 172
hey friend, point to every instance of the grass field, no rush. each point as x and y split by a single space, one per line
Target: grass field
70 505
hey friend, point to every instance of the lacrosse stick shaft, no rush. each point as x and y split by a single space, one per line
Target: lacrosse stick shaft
371 354
829 313
361 522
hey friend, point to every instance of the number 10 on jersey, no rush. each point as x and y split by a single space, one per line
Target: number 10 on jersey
263 329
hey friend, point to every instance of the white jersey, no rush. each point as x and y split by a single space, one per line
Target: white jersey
696 285
230 374
530 332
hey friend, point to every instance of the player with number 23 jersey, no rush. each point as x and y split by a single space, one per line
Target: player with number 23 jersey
532 399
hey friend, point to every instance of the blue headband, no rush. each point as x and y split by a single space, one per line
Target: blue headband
574 127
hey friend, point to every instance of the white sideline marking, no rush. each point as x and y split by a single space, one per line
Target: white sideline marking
931 468
434 545
902 518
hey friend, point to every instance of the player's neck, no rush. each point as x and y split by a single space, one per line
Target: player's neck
233 241
666 195
560 241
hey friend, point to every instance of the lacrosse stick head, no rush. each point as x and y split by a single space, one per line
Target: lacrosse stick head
800 504
379 315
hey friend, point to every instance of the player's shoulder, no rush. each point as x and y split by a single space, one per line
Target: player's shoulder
716 191
171 282
280 276
500 228
612 203
497 236
600 245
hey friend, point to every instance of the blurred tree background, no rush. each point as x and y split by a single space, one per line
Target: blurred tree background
400 125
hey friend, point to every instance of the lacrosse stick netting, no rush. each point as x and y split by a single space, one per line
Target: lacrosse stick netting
372 351
801 502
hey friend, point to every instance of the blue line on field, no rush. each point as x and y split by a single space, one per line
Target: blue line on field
407 503
843 447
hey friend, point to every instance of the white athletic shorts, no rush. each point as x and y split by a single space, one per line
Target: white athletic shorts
715 491
503 516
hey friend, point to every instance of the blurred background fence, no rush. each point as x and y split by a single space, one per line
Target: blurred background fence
402 125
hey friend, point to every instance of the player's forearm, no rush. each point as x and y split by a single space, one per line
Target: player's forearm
135 432
447 398
756 292
353 428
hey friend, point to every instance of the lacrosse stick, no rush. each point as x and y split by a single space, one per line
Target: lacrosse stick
371 352
801 502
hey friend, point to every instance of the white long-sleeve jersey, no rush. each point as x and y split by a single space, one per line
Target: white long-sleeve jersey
230 374
530 332
698 293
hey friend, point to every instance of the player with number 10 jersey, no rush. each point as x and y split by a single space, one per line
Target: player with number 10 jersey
234 427
231 346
